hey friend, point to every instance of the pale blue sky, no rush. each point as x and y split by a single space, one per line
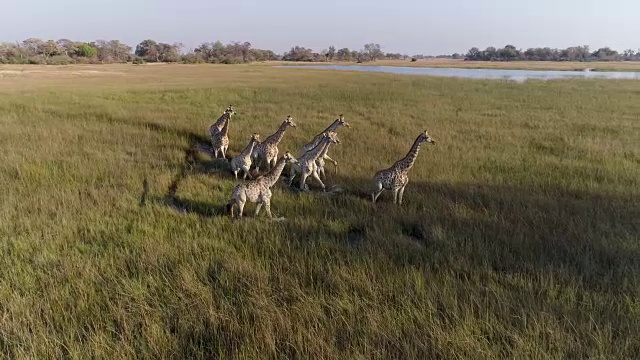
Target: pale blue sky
426 26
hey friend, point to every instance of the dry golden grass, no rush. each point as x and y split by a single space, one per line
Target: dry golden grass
519 237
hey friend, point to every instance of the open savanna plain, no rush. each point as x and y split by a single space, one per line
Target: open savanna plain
518 238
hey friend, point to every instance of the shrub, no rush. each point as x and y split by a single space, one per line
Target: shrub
86 50
60 60
231 60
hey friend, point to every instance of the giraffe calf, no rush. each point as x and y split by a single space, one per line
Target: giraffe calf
243 161
258 190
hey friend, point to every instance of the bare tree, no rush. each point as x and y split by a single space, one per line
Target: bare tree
331 53
33 46
67 47
372 52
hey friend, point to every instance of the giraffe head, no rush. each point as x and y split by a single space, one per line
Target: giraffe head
230 110
288 122
255 137
341 121
289 158
424 137
333 137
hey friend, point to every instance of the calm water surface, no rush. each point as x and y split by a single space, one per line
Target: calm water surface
502 74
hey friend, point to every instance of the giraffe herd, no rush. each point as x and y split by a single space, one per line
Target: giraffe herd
310 163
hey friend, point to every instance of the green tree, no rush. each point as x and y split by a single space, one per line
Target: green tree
343 54
86 50
148 49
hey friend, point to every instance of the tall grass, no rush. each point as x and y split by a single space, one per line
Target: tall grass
519 236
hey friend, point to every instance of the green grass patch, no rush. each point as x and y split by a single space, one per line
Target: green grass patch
519 236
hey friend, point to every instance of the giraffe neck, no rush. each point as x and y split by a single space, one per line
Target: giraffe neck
332 127
272 176
225 128
324 151
407 162
335 125
221 120
318 149
249 149
275 138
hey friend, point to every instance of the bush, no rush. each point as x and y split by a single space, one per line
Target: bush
231 60
35 61
60 60
138 60
86 50
414 59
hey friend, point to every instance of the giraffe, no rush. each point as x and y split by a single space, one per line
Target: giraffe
243 161
217 126
320 161
258 190
339 122
307 165
267 151
220 140
396 177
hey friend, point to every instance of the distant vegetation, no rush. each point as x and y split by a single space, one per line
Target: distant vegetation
65 51
574 53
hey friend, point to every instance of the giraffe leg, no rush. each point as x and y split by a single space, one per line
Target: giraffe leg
258 166
267 164
376 193
245 170
303 180
224 152
235 173
317 177
395 195
335 163
267 207
292 174
401 193
258 207
240 208
230 206
320 170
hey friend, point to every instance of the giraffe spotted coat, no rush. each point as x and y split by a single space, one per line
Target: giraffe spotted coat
258 190
396 177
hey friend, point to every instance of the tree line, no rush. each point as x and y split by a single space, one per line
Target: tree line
574 53
65 51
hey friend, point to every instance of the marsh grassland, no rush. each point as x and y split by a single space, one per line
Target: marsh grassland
519 236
